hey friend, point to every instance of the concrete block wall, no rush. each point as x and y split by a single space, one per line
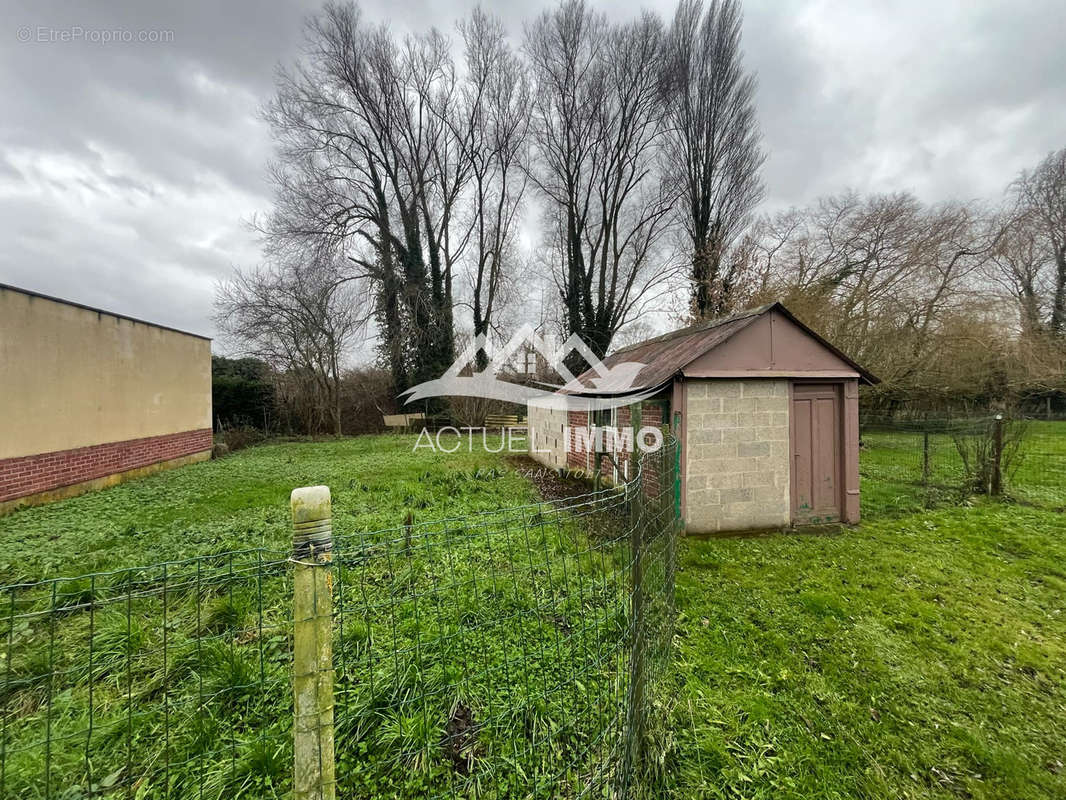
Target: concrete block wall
736 455
547 441
73 377
89 398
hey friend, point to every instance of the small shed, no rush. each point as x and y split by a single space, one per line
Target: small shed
765 409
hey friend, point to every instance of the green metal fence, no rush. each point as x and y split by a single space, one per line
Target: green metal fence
939 459
517 653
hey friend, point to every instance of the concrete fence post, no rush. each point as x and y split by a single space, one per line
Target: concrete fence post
312 545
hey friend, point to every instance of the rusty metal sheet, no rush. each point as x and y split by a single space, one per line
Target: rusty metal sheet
664 356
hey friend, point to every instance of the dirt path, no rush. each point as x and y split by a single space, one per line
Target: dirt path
550 484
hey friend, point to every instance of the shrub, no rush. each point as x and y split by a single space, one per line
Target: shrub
976 445
242 393
240 437
367 394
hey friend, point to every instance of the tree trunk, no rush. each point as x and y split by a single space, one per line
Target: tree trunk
1058 307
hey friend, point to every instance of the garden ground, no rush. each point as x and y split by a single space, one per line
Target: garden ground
919 655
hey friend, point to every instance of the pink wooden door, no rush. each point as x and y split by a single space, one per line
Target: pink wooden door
816 457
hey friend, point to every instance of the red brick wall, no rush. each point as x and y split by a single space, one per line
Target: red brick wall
575 460
652 417
28 475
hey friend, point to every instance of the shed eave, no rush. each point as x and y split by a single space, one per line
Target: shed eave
810 374
590 392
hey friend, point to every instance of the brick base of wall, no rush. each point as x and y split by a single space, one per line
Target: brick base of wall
651 417
31 476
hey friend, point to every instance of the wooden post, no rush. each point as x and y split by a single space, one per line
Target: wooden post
677 466
676 523
312 545
997 455
636 416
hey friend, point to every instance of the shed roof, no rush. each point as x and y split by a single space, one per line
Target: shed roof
668 355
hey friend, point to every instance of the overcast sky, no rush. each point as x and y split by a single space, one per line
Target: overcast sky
128 170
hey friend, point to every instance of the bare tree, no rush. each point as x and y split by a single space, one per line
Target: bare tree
1018 268
300 320
713 146
495 98
371 166
597 125
1040 197
877 274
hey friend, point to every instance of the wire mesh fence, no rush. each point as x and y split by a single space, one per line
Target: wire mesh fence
516 653
169 680
933 459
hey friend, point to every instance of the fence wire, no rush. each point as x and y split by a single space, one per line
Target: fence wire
939 459
517 653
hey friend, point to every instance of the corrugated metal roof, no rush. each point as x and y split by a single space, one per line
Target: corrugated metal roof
665 356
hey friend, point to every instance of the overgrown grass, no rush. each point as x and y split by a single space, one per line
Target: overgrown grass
915 657
919 655
475 654
242 502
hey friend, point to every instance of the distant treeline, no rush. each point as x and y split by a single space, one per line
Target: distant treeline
407 167
248 393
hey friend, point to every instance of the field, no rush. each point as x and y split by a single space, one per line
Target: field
919 655
243 502
923 656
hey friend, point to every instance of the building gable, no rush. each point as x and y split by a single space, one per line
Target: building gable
772 346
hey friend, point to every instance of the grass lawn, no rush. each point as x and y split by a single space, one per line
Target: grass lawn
919 655
923 656
508 625
242 502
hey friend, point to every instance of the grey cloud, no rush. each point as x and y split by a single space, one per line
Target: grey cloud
127 170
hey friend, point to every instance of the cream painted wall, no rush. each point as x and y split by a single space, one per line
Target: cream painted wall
736 455
72 377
